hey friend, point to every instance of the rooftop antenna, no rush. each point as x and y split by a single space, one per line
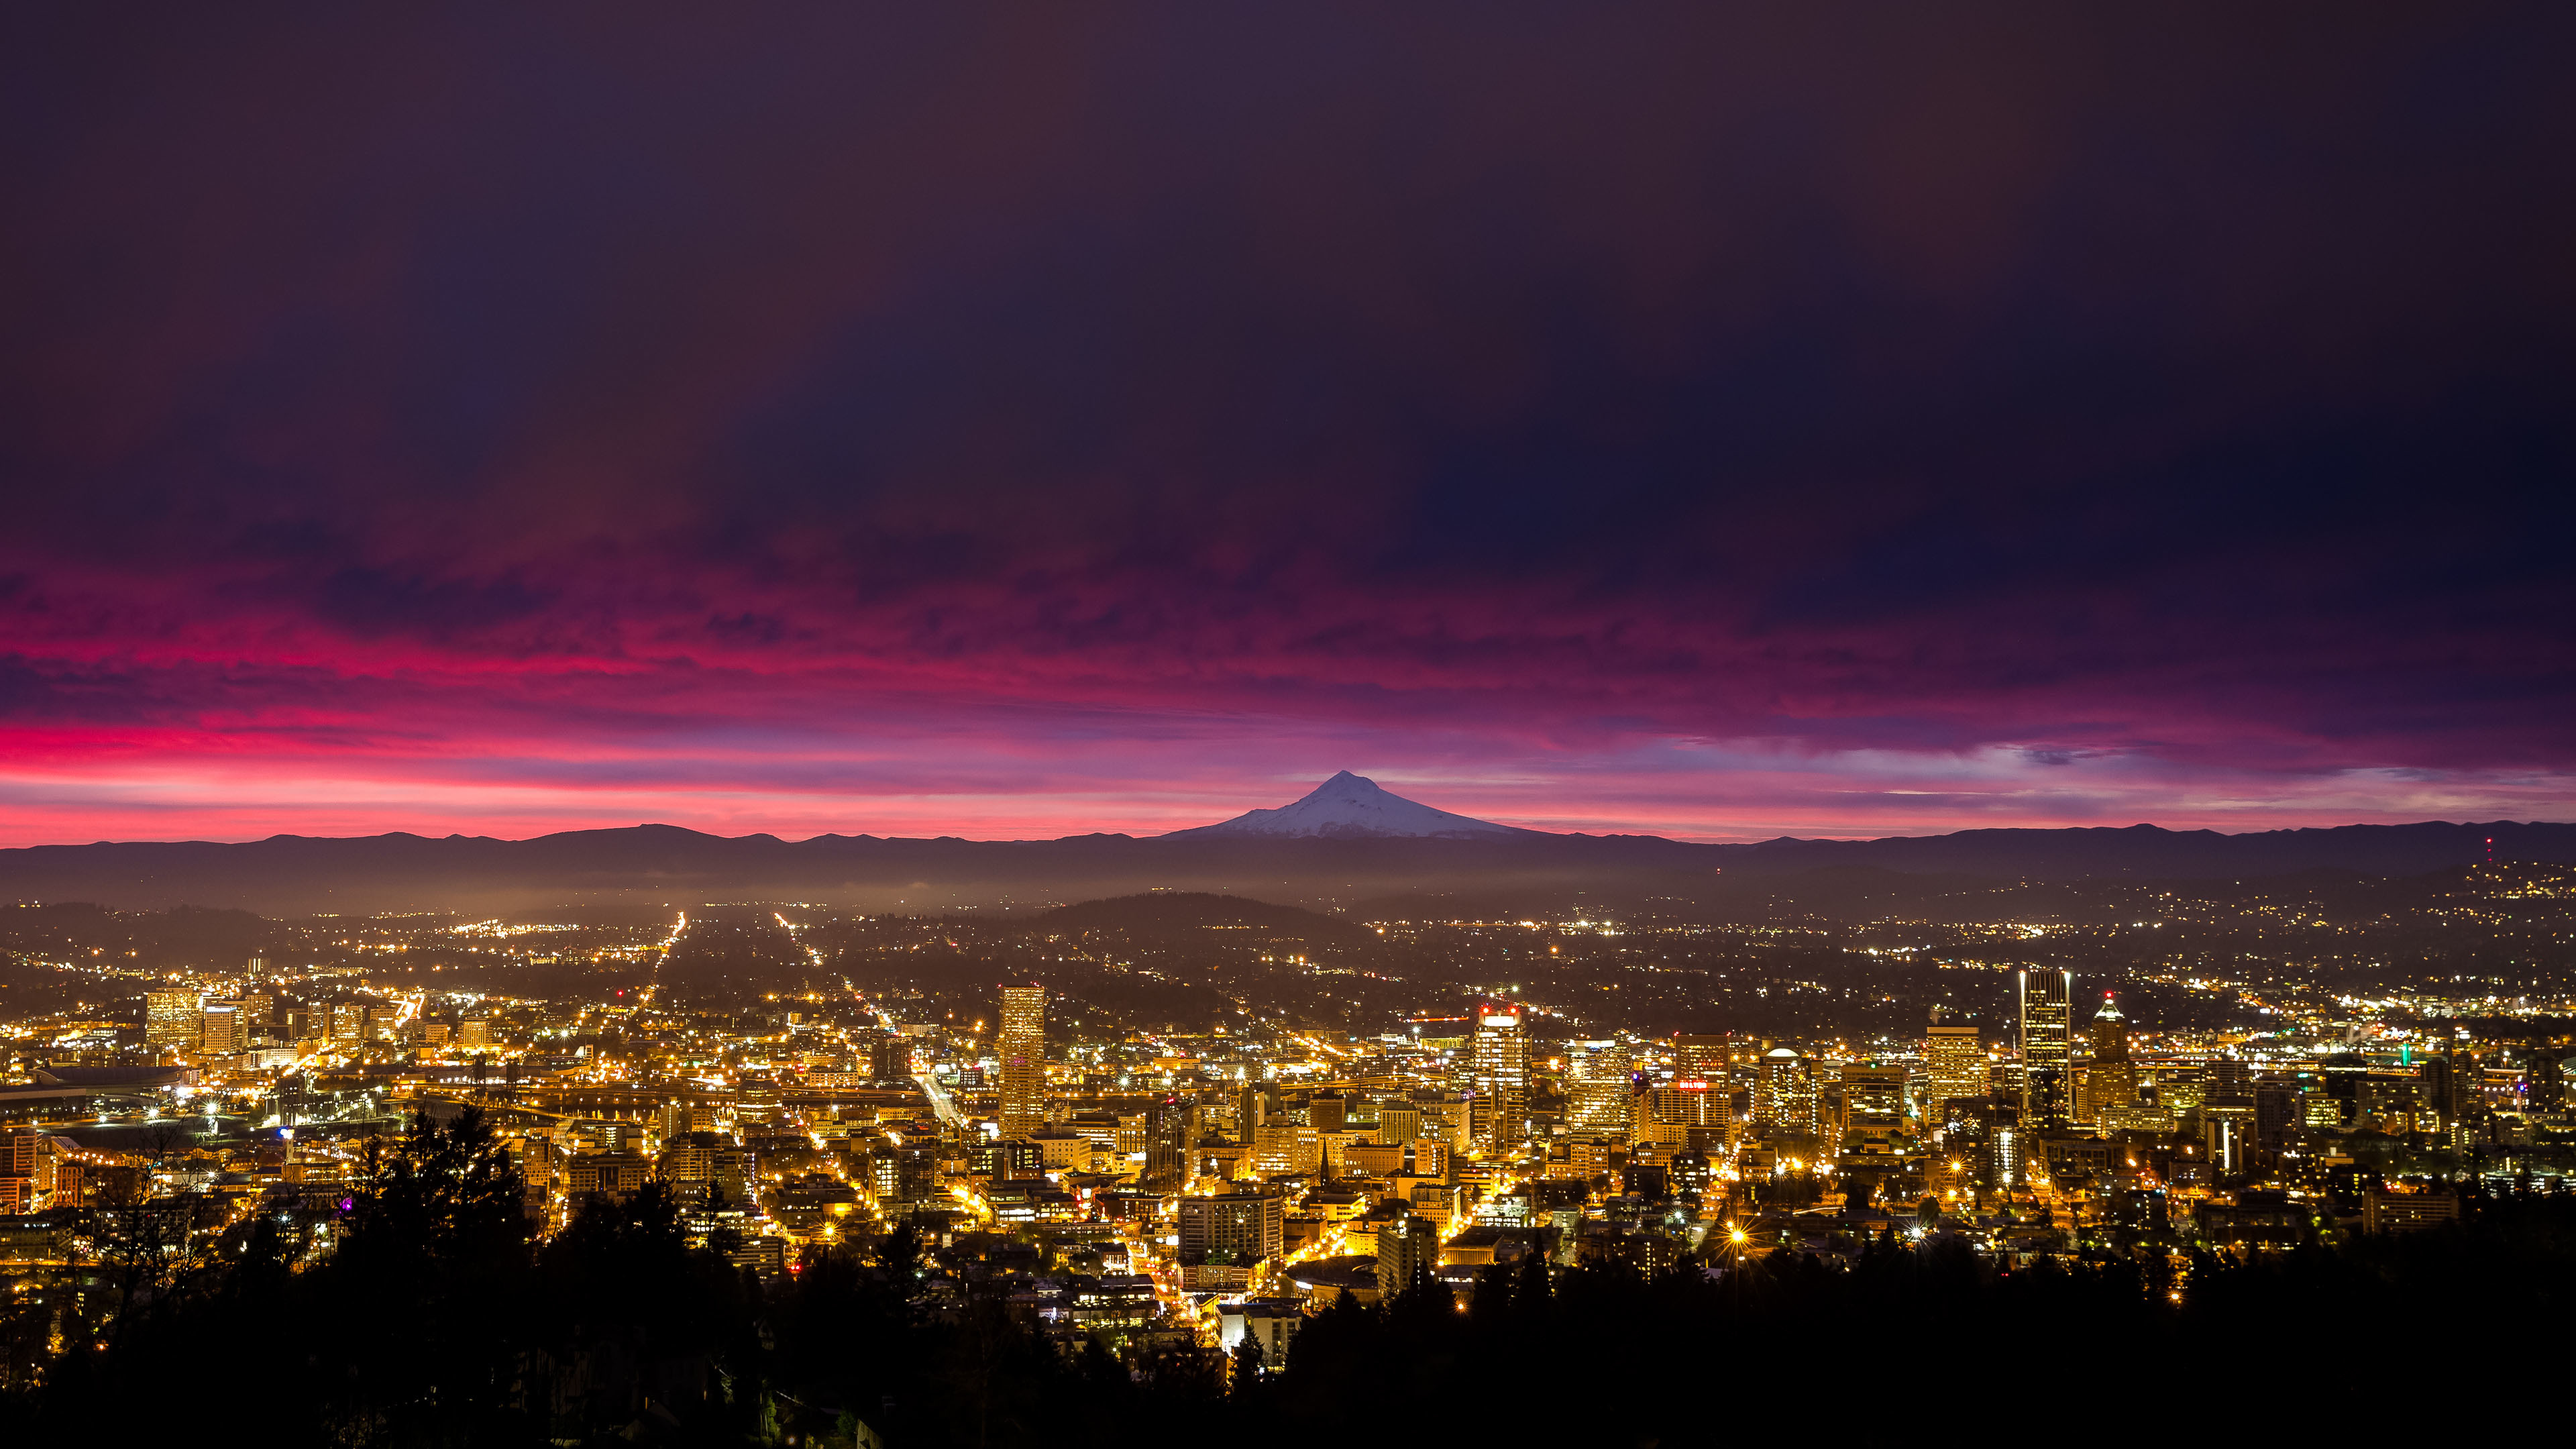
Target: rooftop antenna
2490 850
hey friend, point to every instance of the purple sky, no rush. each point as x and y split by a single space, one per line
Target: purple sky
1845 422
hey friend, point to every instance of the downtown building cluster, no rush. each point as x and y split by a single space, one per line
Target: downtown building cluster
1216 1184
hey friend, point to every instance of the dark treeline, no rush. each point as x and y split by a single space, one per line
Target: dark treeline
437 1320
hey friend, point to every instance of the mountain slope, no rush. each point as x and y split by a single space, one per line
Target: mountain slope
1352 807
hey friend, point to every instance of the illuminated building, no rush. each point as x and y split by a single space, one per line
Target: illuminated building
1596 1086
258 1019
1398 1122
1499 1109
1167 1145
1405 1254
1022 1047
170 1018
679 1119
1284 1147
707 1157
1954 1057
26 1168
1249 1225
468 1033
1669 1114
1873 1108
2047 1048
349 1027
1701 1058
618 1175
1784 1095
2113 1082
1327 1112
220 1027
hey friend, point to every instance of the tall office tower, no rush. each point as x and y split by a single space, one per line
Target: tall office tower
468 1033
1023 1052
2113 1081
1167 1146
257 968
258 1019
2047 1049
1784 1096
1406 1254
170 1018
384 1023
1700 1058
220 1028
1954 1065
1499 1111
349 1026
1596 1085
1873 1106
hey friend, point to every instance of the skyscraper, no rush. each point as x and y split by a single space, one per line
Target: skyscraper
1784 1095
2047 1048
222 1028
1023 1053
1167 1145
1954 1060
1596 1086
2113 1082
1499 1110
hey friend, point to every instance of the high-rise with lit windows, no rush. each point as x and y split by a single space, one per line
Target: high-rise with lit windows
1022 1048
2047 1048
1596 1086
1784 1095
1954 1065
2113 1080
1499 1078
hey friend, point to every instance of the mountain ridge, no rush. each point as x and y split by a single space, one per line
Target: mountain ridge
649 863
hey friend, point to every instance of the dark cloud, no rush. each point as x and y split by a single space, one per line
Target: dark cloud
2187 387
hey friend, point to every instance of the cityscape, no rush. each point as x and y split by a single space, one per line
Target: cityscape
1174 1131
873 727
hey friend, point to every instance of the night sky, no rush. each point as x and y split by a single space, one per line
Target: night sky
889 419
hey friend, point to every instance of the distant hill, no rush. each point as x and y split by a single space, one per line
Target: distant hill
2150 852
1182 911
657 866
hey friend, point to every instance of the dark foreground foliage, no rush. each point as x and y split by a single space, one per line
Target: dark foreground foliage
437 1320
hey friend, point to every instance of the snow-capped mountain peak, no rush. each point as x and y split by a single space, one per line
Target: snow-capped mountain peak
1349 805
